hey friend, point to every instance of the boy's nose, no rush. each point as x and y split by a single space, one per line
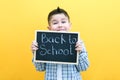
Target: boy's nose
60 25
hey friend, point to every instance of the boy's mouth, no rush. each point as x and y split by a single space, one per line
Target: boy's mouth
61 30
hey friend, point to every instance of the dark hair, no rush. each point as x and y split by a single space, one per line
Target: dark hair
57 11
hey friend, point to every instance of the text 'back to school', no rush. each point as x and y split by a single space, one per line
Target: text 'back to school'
53 41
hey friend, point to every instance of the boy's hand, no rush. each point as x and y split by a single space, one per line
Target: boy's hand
34 46
78 46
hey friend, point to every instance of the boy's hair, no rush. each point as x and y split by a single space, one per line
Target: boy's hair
57 11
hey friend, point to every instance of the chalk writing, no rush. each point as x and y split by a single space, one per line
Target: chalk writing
54 46
52 39
53 51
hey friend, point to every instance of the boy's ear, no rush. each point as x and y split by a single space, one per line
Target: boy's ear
70 25
48 27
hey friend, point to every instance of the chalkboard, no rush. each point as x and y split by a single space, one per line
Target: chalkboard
56 47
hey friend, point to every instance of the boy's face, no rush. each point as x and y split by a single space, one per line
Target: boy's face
59 22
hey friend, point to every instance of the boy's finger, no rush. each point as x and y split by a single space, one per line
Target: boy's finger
35 43
34 49
78 45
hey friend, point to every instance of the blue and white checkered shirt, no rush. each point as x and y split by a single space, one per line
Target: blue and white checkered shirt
69 71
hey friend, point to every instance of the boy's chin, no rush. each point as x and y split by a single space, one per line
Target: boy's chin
63 30
60 30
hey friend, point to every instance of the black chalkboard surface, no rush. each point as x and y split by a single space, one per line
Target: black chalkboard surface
56 47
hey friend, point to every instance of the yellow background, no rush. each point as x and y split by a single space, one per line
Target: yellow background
98 21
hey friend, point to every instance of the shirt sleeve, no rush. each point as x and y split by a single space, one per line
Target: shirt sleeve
39 66
83 62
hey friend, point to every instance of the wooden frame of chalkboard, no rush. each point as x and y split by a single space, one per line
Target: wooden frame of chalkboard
56 47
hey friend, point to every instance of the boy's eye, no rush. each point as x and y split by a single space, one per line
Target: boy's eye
55 22
63 21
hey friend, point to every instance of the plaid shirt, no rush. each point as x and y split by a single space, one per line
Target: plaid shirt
69 71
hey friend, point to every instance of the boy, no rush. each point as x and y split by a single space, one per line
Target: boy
59 20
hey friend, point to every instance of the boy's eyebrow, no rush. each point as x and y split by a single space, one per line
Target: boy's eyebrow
61 19
53 20
64 18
